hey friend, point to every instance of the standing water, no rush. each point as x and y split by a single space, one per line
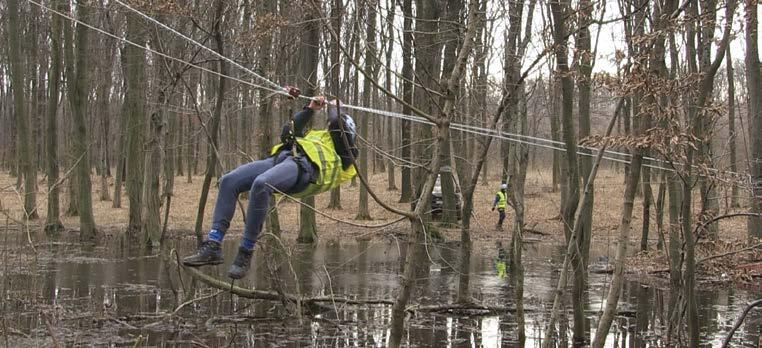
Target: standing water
117 296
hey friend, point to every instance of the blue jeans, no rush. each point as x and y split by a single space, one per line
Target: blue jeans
281 171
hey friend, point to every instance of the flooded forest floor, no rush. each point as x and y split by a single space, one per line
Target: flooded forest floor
60 293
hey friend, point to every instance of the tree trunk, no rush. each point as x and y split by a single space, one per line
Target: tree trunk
23 124
135 115
555 133
154 158
103 102
734 194
710 198
308 66
521 163
406 192
335 83
612 299
480 151
76 70
449 214
53 222
36 72
363 211
389 122
267 7
754 92
559 11
647 202
120 155
584 235
212 158
661 197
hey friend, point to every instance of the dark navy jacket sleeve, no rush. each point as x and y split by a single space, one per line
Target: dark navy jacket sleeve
302 120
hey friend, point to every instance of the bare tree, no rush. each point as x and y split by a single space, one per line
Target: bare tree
214 130
754 92
23 124
53 221
308 64
406 192
134 115
266 9
368 8
732 140
76 72
337 10
560 10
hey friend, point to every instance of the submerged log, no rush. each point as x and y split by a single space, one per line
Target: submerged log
274 296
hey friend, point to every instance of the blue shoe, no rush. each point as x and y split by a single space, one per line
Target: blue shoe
209 253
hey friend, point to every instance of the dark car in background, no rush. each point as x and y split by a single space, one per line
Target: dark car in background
437 200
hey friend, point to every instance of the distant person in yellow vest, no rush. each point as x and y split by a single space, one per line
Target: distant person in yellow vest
500 202
305 163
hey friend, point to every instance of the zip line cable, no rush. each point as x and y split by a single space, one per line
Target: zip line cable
213 52
148 49
475 130
277 89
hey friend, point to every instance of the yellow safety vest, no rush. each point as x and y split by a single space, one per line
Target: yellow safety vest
500 200
318 146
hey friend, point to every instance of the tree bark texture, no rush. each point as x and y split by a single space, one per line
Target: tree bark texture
77 66
406 192
612 299
754 92
363 212
53 221
584 235
734 192
560 10
267 8
212 157
23 124
134 76
308 64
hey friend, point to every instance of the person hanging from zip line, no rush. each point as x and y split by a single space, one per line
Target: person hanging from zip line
500 203
306 162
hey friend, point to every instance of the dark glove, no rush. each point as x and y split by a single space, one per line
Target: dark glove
292 91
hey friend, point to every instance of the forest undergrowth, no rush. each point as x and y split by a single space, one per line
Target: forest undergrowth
731 258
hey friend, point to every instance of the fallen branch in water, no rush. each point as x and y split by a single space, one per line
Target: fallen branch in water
739 321
462 308
274 296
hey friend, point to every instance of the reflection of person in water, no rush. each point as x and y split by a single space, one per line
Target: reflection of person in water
501 260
